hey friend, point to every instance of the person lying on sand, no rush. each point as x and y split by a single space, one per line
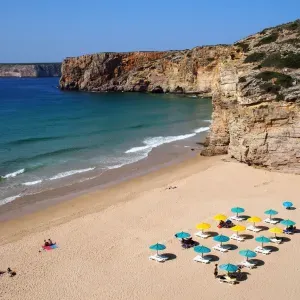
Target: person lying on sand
46 243
11 272
50 242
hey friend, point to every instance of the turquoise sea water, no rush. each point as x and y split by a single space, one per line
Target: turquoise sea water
47 135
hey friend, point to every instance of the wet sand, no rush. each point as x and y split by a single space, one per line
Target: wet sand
103 238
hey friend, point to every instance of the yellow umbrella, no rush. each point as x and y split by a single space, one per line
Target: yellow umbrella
238 228
254 220
220 217
203 226
276 230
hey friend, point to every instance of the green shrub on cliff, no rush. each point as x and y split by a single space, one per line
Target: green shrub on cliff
268 39
254 57
288 60
278 79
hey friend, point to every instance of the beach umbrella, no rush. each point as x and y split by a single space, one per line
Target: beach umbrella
203 226
157 247
229 268
276 230
201 249
262 239
287 223
182 235
271 212
238 228
247 253
221 238
254 220
287 204
220 217
237 210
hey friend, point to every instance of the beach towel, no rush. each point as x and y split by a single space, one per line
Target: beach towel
48 248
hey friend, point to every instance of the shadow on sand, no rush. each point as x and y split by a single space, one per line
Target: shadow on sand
170 256
212 257
272 248
212 233
257 262
247 236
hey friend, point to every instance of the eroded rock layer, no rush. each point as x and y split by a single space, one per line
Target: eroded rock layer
254 84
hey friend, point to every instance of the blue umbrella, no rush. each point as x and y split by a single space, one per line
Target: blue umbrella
262 239
229 268
287 204
201 249
182 235
287 223
247 253
237 210
271 212
157 247
221 238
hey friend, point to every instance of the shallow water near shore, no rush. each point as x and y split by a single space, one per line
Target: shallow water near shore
50 139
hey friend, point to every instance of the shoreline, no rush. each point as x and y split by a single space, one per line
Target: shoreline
65 208
159 157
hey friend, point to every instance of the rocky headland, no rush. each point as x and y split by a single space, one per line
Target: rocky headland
30 70
254 85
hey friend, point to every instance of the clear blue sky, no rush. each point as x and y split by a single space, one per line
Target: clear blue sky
49 30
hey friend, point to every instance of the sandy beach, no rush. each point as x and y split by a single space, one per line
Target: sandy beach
104 238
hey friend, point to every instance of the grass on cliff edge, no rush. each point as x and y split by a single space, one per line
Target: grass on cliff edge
278 79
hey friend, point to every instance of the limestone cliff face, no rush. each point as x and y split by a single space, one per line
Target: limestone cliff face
30 70
254 84
187 71
256 115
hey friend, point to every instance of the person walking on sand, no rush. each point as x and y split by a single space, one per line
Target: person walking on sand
216 271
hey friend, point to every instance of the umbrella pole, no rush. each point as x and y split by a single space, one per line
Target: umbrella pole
270 217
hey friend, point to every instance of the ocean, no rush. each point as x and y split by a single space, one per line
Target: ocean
50 138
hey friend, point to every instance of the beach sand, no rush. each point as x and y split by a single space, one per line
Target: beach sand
104 238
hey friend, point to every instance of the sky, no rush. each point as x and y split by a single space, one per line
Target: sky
50 30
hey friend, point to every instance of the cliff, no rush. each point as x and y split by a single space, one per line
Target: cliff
187 71
254 86
30 70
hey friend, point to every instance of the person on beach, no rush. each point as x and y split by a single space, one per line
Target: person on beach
11 272
50 242
46 243
216 271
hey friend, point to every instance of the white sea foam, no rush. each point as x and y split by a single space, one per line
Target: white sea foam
209 121
154 142
201 129
9 199
32 182
69 173
14 174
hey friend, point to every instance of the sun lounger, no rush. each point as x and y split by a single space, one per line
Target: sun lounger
202 235
276 241
255 229
227 279
271 221
158 258
261 250
199 258
238 219
220 248
247 264
237 238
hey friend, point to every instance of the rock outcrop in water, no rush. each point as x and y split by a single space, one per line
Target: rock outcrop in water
30 70
254 84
